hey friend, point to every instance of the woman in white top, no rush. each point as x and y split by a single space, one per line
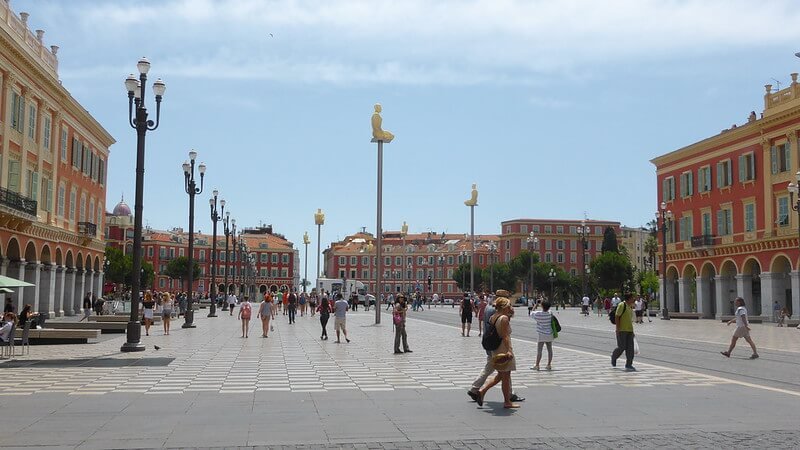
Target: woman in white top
265 314
544 326
167 303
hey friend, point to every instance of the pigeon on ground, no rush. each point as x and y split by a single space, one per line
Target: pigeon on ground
157 347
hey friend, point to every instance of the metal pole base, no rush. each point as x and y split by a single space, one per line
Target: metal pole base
134 341
212 310
665 314
189 318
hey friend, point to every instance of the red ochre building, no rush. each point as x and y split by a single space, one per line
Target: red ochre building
408 260
53 160
274 257
733 231
559 242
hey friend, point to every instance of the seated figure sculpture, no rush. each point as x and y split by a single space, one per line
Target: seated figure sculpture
473 200
378 134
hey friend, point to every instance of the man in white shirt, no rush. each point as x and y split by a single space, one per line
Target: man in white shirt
340 316
637 309
615 301
742 329
585 305
232 301
435 299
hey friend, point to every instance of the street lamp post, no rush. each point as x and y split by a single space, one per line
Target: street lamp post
306 241
139 122
530 240
583 231
492 250
441 277
190 186
379 136
666 220
319 221
472 203
552 277
227 231
216 216
463 273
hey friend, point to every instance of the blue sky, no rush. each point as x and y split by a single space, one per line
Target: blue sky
553 107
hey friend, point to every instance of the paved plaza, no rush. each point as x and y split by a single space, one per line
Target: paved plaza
209 387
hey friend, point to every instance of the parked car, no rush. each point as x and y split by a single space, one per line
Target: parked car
522 301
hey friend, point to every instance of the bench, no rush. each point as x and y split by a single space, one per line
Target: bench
684 315
58 336
751 319
791 322
104 327
122 319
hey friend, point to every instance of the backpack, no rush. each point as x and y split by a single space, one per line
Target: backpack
491 338
246 310
397 318
612 313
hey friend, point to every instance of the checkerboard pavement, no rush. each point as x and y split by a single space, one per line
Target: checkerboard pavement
213 357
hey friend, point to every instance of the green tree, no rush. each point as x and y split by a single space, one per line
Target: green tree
609 241
613 271
120 267
651 248
503 277
462 272
647 282
178 269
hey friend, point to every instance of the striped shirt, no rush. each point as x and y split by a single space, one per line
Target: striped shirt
543 321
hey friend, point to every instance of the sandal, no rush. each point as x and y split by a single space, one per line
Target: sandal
511 406
725 354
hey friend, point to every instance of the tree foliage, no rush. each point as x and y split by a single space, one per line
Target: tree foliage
503 277
119 268
613 271
609 241
461 277
647 282
178 269
651 248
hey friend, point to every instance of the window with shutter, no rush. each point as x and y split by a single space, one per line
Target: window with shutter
32 122
13 176
773 159
787 156
741 169
33 189
720 223
46 137
61 200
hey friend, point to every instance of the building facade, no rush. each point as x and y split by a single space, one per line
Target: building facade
53 160
559 242
409 260
633 239
733 232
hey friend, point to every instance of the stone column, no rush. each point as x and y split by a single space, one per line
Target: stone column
669 300
744 289
721 284
4 267
58 290
98 283
795 306
703 295
684 294
69 292
769 283
78 290
18 301
47 289
32 273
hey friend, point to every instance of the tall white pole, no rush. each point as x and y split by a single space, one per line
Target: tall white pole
379 238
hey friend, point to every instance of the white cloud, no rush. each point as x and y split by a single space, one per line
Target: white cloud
425 42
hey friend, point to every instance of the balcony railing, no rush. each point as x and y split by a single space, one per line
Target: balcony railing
18 202
87 229
704 240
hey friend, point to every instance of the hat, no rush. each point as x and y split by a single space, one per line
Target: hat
502 293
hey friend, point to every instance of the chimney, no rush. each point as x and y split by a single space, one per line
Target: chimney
24 17
39 35
54 49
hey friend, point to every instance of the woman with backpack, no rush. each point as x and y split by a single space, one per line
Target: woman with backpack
324 310
503 355
399 319
245 310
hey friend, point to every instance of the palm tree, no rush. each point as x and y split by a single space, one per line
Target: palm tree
651 247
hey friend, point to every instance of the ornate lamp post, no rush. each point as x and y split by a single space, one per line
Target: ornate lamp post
190 186
666 220
306 241
227 230
139 122
492 251
215 217
552 277
319 221
583 231
531 239
441 277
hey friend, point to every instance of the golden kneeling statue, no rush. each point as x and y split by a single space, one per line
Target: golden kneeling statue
377 132
473 200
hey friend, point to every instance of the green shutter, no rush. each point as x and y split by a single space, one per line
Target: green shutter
730 173
691 183
720 223
664 190
742 174
13 176
719 175
49 196
34 192
773 157
787 153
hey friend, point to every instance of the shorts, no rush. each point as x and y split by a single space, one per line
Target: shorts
741 332
166 313
148 313
639 313
466 318
545 337
339 323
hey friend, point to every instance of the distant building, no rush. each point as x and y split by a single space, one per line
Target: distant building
633 239
53 160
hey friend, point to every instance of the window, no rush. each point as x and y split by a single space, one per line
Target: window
781 158
46 137
342 260
598 230
573 258
573 244
420 260
560 258
13 175
149 252
747 167
365 260
687 187
87 159
264 258
47 195
523 229
548 229
724 178
685 228
450 259
263 272
704 179
61 195
706 223
285 259
560 229
101 171
285 273
668 189
162 252
559 245
536 228
91 210
749 217
274 259
76 153
548 257
73 199
82 214
548 244
274 272
365 274
724 224
63 145
783 212
17 111
202 256
32 122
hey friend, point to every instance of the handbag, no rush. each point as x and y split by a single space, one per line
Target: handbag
635 346
501 358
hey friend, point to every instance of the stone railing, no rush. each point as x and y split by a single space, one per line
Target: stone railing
704 240
773 99
33 43
87 229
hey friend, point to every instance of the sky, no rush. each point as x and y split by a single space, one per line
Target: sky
554 108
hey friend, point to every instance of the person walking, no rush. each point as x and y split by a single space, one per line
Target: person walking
544 327
324 310
585 306
465 309
783 316
624 329
284 296
340 317
167 303
245 310
303 300
480 313
637 309
776 311
291 301
312 303
399 319
87 306
232 301
742 329
503 356
488 368
148 305
390 301
265 314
